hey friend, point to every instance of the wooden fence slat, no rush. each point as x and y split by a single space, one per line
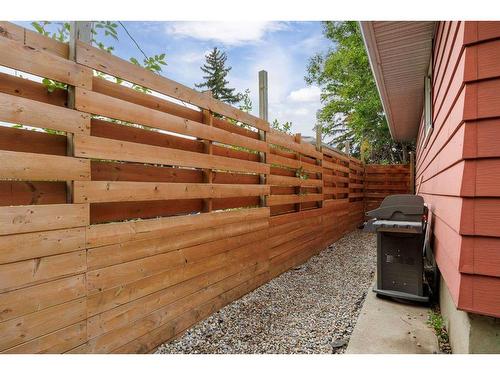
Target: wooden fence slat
34 60
117 191
274 200
27 272
127 313
101 148
22 329
196 242
18 110
15 139
105 62
128 94
28 89
95 103
24 246
35 298
59 341
276 138
37 167
23 219
107 234
33 39
21 193
293 181
292 163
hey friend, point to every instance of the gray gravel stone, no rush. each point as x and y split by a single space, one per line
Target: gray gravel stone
305 310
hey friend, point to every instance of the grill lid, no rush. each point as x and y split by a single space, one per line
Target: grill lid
400 207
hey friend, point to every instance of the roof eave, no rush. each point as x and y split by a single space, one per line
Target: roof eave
370 45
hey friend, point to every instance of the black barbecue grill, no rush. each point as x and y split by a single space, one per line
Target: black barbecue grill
402 227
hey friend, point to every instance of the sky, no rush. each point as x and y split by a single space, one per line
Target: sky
281 48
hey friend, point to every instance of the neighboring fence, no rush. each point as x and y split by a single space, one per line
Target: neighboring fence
116 237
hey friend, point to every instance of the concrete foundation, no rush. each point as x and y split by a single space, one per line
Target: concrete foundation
469 333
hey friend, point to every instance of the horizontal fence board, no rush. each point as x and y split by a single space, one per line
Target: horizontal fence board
28 89
123 132
201 243
29 166
128 94
126 272
292 181
178 325
34 60
59 341
119 211
333 166
99 104
112 191
101 148
274 200
291 163
105 62
105 234
33 39
15 193
14 139
334 154
27 272
23 219
188 311
277 138
99 301
17 247
19 330
18 110
125 314
35 298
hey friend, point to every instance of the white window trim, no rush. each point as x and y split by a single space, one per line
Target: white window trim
428 124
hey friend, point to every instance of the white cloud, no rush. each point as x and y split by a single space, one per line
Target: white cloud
229 33
305 95
193 57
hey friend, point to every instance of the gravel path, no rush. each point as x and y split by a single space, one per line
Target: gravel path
310 309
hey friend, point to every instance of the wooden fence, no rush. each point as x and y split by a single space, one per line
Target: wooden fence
136 214
383 180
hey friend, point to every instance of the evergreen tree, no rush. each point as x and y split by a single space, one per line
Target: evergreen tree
215 77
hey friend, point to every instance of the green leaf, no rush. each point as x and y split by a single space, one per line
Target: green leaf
38 27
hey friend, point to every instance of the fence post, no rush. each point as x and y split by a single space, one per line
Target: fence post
263 96
412 172
319 162
263 114
208 174
79 30
348 148
298 189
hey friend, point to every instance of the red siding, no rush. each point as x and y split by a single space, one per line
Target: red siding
458 166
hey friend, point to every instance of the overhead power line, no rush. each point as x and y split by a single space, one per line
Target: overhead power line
133 40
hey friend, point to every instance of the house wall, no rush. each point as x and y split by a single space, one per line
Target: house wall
458 164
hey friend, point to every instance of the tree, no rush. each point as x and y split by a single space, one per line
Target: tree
285 127
352 111
215 78
246 104
100 31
